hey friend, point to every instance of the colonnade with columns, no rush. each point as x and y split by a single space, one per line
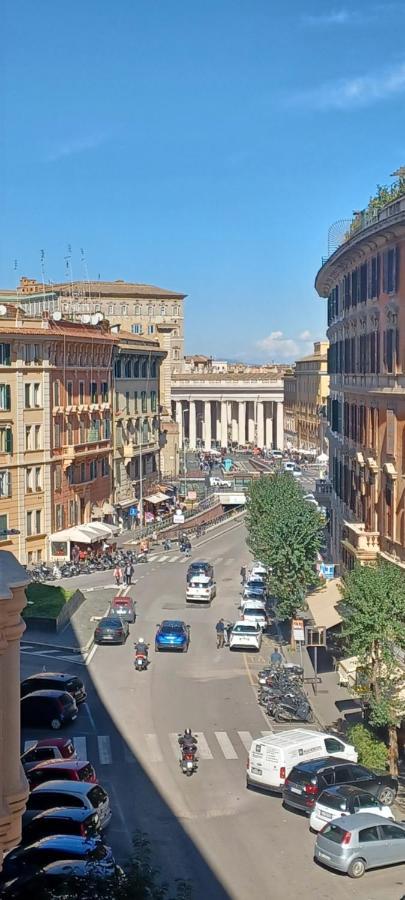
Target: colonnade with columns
220 423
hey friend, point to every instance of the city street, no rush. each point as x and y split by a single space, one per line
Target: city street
230 842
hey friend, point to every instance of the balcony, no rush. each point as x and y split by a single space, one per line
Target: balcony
129 451
68 456
363 545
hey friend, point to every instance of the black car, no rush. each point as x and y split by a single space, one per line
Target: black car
54 849
46 709
51 881
55 681
200 568
59 820
111 630
307 781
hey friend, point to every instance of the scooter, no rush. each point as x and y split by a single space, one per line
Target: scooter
291 712
189 760
141 662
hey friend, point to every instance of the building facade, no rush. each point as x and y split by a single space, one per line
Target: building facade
311 394
225 409
364 281
13 783
290 404
136 466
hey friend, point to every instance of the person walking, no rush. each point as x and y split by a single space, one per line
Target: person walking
128 573
220 630
276 658
243 573
118 575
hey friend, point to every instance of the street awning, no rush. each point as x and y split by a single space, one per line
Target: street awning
322 605
159 497
123 504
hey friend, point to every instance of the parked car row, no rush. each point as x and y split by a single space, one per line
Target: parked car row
348 805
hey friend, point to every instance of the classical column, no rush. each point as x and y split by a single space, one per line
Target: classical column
179 420
242 423
279 426
207 425
224 423
251 422
192 428
218 422
234 421
269 425
260 424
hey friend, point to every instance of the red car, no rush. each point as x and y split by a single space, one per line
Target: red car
58 748
61 770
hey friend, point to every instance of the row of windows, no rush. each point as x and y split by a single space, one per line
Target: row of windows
380 274
139 367
32 354
88 392
354 421
69 435
129 404
138 309
137 328
348 485
361 354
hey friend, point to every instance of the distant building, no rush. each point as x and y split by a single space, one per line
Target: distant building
311 394
290 409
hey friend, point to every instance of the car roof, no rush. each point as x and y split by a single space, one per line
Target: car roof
242 622
109 620
60 676
205 579
63 812
62 841
346 790
324 762
67 867
362 820
50 742
198 562
119 599
46 692
58 763
61 784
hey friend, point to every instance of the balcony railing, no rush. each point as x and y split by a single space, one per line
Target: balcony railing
362 541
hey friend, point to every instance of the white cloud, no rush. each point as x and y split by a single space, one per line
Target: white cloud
305 336
73 145
348 93
334 17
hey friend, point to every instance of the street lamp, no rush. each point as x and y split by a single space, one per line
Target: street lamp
184 410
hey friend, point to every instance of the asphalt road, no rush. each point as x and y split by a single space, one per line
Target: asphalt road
230 842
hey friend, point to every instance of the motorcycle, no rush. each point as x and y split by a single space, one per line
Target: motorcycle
189 760
142 557
293 712
141 662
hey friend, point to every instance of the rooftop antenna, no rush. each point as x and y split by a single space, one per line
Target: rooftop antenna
43 273
17 286
69 272
86 271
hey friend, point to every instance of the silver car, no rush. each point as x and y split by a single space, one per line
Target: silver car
352 844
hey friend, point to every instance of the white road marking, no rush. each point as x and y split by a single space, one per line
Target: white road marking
87 708
154 752
225 745
174 743
174 559
152 558
80 745
246 739
28 745
90 655
104 749
163 559
203 749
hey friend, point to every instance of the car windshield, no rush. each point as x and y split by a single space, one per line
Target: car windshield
332 801
254 611
245 629
111 623
333 833
172 629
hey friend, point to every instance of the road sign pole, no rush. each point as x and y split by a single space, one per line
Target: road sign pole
316 669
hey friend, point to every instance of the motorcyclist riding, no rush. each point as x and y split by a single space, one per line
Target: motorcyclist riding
141 649
188 741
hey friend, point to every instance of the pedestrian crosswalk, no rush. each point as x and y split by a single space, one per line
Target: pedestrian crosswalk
102 750
155 558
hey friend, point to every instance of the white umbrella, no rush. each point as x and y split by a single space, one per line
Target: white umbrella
322 458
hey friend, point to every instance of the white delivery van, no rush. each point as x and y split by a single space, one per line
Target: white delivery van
201 589
271 758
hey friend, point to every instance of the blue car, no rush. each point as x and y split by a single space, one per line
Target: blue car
172 634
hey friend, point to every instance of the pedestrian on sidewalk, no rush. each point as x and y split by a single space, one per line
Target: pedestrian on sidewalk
276 658
220 630
243 574
118 575
128 573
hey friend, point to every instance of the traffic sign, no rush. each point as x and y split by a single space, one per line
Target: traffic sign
133 511
178 517
298 630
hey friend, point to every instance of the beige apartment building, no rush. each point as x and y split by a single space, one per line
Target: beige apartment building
311 395
13 783
290 409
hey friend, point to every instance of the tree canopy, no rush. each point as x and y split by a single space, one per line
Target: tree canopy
284 532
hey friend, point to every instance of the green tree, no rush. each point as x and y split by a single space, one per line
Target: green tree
284 532
373 612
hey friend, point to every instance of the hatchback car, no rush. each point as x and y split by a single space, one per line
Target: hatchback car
200 589
345 800
307 781
55 848
245 636
51 880
254 591
353 844
199 567
172 634
59 820
111 630
55 681
48 748
46 709
66 770
124 607
255 614
78 794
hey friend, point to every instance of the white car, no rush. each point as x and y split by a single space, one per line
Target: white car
345 800
245 636
218 482
297 473
258 569
289 466
201 588
255 614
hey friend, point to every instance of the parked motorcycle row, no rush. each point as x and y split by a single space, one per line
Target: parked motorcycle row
281 694
120 558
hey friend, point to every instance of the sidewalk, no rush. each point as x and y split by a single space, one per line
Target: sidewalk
77 634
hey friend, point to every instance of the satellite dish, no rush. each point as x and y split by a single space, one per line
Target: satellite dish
94 319
3 310
85 319
99 316
57 315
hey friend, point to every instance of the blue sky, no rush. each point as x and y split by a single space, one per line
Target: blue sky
203 146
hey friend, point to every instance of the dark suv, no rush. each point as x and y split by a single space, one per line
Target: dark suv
200 568
47 708
55 681
307 780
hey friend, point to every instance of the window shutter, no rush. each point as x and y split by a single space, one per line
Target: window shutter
385 272
397 268
390 432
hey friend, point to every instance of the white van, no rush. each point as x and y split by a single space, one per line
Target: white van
271 758
201 588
